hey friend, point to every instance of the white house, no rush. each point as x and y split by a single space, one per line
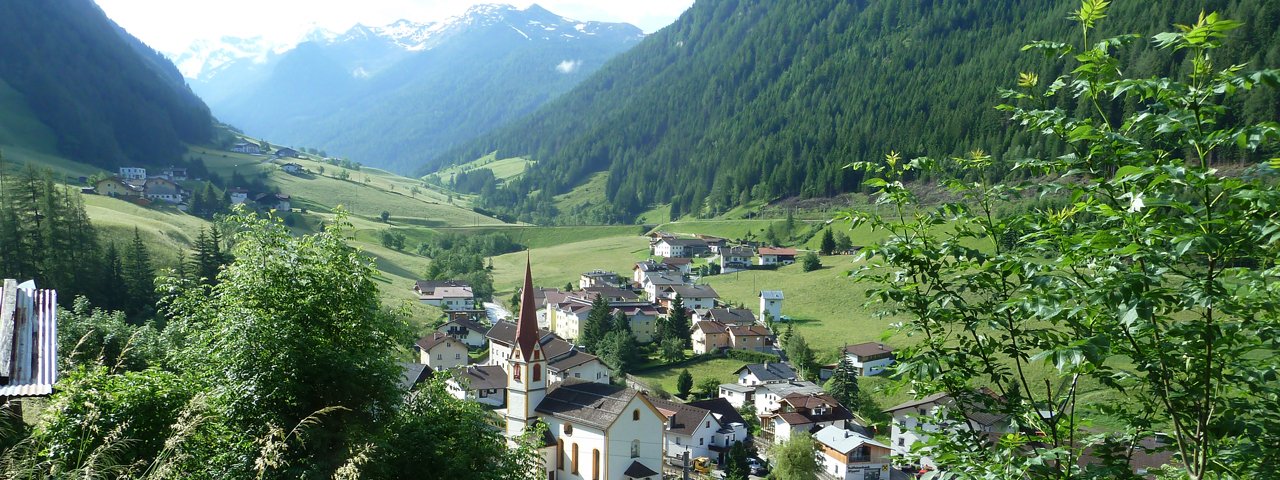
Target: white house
441 352
768 397
770 304
465 330
680 247
564 361
643 268
292 168
245 147
849 455
693 430
447 294
693 296
598 278
763 373
735 258
594 430
237 195
776 256
486 384
682 265
914 420
869 358
733 428
652 282
133 173
737 395
567 316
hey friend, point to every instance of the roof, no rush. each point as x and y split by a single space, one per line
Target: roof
610 292
481 377
682 419
867 349
977 413
553 347
733 316
28 340
431 341
929 400
657 278
842 440
412 374
428 286
769 371
721 409
710 326
737 252
600 274
733 387
571 359
527 323
692 291
676 261
650 266
468 324
792 387
749 331
638 470
782 252
594 404
771 294
803 406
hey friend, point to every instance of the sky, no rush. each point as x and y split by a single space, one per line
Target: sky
172 25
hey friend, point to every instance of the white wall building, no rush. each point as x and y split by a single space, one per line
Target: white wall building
771 304
441 352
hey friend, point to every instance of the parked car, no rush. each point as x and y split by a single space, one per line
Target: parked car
757 467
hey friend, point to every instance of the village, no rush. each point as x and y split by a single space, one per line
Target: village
533 369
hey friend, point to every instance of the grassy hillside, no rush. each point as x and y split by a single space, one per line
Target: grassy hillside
503 169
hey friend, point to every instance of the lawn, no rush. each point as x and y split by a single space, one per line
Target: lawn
556 265
587 194
503 169
720 369
543 237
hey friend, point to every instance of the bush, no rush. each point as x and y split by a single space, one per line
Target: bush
752 357
811 262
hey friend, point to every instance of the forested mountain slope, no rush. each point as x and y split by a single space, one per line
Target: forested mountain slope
741 100
108 99
395 96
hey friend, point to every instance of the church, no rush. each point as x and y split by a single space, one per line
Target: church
595 431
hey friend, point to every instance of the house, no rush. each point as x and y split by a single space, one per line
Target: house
541 298
869 358
486 384
800 412
733 428
598 278
755 337
564 360
676 264
768 397
441 352
770 305
115 187
273 201
641 269
714 244
176 174
593 430
693 296
245 147
914 420
727 316
412 374
468 331
292 168
28 342
162 189
737 395
709 336
651 282
446 294
283 152
680 247
738 258
237 195
133 173
776 256
689 430
567 316
848 455
762 373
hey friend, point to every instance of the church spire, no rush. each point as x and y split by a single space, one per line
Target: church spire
527 323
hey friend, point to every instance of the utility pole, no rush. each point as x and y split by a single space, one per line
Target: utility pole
684 470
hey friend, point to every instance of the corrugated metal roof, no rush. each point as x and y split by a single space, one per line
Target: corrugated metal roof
28 340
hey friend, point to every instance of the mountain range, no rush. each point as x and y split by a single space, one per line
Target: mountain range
393 96
745 101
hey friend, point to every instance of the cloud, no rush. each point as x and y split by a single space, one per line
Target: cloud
568 66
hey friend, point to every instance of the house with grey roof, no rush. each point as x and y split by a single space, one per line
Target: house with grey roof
762 373
693 296
486 384
441 352
466 330
802 412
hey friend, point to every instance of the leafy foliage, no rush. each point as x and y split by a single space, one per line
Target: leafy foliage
1151 282
796 458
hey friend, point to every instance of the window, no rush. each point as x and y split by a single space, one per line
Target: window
515 373
574 459
439 356
568 429
560 454
901 442
577 374
708 423
457 356
635 448
595 464
537 372
700 440
635 415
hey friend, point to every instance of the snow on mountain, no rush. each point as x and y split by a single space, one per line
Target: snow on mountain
206 57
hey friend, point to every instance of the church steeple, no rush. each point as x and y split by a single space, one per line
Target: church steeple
527 322
527 372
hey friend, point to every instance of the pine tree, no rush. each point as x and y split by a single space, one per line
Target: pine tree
828 245
597 325
677 325
684 383
843 384
139 277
